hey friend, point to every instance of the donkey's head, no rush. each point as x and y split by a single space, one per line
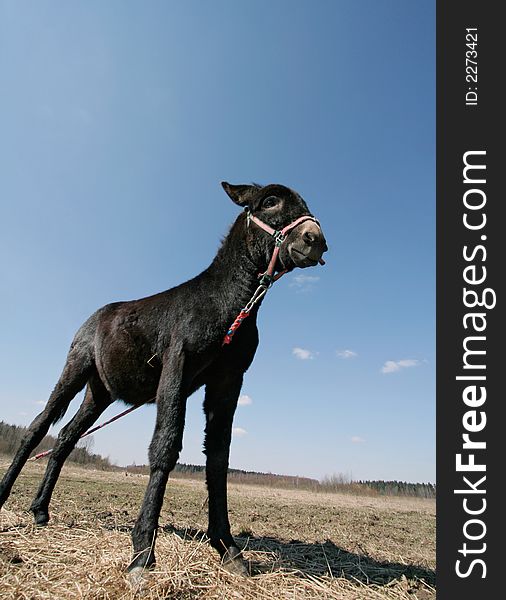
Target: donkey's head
278 207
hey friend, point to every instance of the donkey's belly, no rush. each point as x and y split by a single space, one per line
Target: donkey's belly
126 362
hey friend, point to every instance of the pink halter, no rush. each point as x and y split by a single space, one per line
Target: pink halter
279 237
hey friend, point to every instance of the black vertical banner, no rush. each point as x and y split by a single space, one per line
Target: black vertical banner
471 238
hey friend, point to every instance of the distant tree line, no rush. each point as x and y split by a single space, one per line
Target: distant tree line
401 488
11 436
250 477
188 471
334 483
344 483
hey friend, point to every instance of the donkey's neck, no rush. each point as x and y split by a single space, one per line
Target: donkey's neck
243 255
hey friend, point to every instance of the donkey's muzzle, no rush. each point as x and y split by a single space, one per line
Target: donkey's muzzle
308 245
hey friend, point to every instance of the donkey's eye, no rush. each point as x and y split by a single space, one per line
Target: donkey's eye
270 202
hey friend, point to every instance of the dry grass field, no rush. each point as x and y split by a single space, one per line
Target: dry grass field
299 544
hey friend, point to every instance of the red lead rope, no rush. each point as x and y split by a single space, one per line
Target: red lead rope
267 278
90 431
235 325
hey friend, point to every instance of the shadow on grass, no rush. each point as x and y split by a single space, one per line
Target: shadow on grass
319 559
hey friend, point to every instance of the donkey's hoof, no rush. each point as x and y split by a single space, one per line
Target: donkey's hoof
234 563
41 517
137 577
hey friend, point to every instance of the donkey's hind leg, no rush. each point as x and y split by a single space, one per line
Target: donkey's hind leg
72 380
96 400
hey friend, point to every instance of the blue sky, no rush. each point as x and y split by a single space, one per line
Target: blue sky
118 120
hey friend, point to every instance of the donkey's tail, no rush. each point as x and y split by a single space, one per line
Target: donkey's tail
79 366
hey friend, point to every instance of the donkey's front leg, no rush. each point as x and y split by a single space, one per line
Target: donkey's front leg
220 403
163 454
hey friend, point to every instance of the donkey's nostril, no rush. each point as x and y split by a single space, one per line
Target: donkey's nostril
308 238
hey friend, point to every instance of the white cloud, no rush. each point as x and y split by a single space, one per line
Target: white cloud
23 414
304 282
245 400
303 354
357 439
346 354
301 279
391 366
41 402
239 432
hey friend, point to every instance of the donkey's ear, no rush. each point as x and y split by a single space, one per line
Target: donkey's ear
240 194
